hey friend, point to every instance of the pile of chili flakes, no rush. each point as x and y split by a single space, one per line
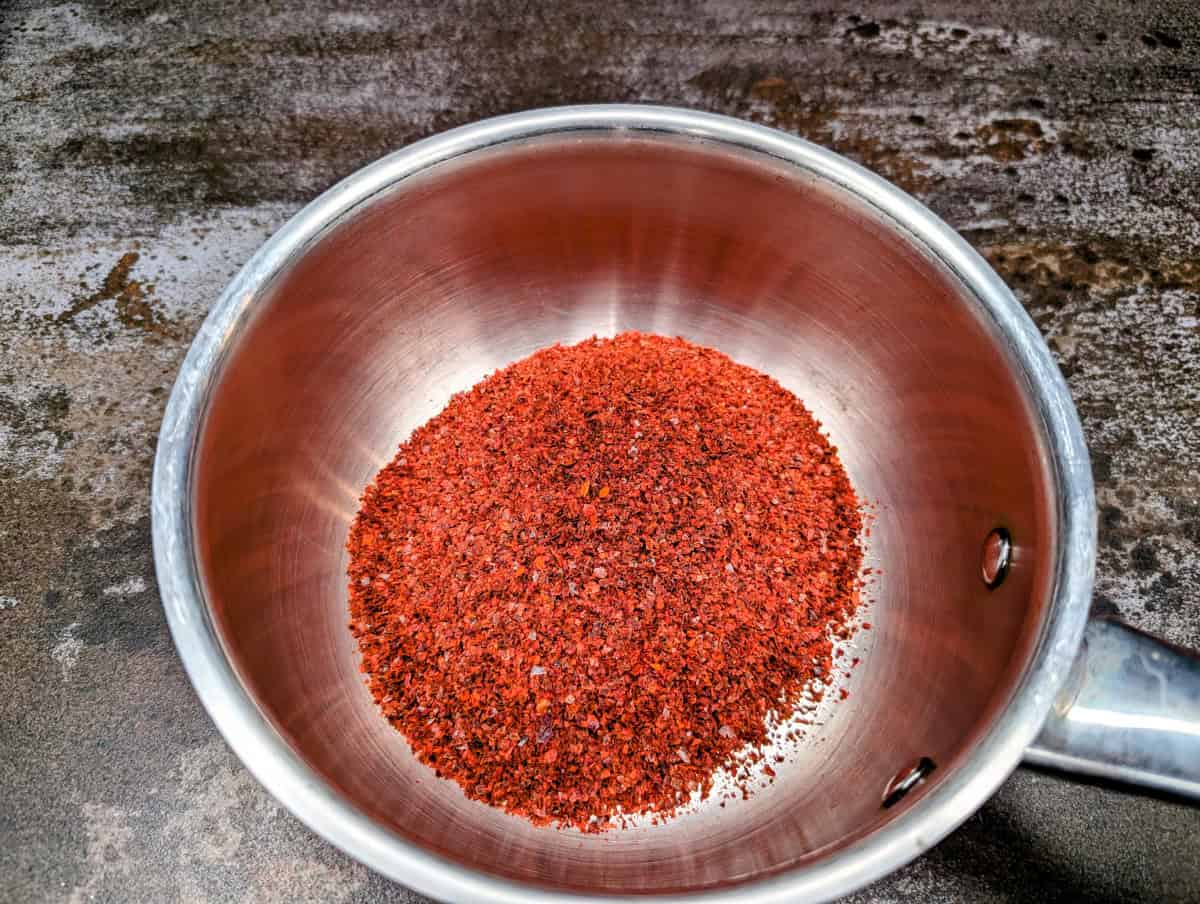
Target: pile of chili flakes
601 573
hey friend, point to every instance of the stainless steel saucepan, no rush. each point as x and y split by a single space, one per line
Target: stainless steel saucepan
420 274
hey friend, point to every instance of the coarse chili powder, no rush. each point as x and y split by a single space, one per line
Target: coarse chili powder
601 573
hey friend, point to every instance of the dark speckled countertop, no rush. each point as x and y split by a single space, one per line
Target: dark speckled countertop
146 149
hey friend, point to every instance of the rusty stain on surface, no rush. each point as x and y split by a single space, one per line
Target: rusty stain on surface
1007 140
1088 265
132 304
788 108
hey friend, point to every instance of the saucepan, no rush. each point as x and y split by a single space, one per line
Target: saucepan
422 273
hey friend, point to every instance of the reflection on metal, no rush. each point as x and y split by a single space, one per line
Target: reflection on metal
1135 716
1085 715
997 553
906 780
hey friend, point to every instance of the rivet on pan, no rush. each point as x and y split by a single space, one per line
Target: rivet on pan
906 780
997 554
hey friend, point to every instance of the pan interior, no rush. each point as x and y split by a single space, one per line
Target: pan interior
475 263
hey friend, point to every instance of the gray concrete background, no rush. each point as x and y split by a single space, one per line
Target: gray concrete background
146 149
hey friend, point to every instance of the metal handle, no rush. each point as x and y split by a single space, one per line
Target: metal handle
1130 712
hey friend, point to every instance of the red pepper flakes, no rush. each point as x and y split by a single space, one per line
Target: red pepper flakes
576 662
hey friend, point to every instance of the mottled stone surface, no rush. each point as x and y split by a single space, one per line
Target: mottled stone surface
146 149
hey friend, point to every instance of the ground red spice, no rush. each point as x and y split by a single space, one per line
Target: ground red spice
600 573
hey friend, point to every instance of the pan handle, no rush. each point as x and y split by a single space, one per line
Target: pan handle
1130 712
